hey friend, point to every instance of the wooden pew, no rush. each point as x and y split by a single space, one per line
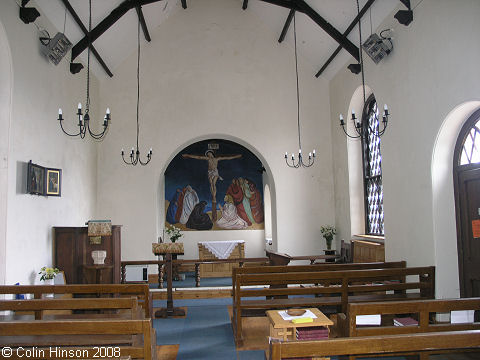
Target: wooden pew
329 289
423 311
387 345
141 291
313 267
109 308
85 339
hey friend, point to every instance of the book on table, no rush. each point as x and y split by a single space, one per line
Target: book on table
368 320
405 321
312 333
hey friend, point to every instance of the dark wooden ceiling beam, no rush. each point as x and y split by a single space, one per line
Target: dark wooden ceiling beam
245 4
184 4
302 6
85 32
106 23
329 29
346 32
290 16
143 24
284 3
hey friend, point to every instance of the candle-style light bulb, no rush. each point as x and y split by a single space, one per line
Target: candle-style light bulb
79 106
60 111
108 111
313 152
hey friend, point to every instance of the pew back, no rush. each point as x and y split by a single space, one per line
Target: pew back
83 338
386 345
423 311
141 291
314 267
126 307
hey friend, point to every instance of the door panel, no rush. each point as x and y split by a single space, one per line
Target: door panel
469 246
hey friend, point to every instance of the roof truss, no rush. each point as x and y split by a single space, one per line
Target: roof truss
106 23
302 6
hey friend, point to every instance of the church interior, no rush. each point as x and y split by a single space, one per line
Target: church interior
332 147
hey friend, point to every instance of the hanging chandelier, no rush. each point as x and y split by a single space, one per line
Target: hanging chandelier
297 162
364 130
135 153
84 119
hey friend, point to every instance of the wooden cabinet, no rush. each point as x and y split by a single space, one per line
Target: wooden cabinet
73 254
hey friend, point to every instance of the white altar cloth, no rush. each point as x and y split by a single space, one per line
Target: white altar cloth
221 249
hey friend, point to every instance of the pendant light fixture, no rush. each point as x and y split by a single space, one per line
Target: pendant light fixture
135 153
84 120
296 163
361 130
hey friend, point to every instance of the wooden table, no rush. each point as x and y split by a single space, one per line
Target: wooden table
285 329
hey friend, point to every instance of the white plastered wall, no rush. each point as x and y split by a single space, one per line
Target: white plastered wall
215 69
39 88
5 105
432 70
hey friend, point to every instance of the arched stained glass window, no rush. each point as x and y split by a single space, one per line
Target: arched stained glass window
471 146
372 170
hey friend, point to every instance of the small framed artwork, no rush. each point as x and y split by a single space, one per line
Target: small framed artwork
53 181
35 179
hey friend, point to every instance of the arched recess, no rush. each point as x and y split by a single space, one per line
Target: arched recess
355 164
218 235
267 209
5 108
443 201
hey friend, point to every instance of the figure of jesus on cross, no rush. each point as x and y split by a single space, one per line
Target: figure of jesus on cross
213 174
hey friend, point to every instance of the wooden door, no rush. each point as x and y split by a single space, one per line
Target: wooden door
468 204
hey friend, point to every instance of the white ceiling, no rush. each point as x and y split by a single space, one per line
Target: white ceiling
314 44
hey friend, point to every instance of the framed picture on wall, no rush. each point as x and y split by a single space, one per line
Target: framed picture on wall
35 179
53 182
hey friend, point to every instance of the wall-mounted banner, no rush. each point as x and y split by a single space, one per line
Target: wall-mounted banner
214 185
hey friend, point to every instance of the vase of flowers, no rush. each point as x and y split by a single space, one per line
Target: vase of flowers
174 233
48 273
327 232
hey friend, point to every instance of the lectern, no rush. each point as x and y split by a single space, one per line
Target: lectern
167 250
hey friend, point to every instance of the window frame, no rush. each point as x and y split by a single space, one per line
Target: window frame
366 164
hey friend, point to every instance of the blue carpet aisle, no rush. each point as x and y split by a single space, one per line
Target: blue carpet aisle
205 333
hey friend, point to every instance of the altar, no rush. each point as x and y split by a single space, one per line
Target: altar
214 250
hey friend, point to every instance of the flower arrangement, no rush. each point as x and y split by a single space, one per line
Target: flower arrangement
328 231
174 233
48 273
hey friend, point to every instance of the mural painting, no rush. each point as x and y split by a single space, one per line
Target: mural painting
214 185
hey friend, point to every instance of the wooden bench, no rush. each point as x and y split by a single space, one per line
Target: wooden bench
329 289
83 339
423 311
105 308
141 291
313 267
387 345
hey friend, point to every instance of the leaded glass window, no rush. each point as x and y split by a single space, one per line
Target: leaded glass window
372 170
471 146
